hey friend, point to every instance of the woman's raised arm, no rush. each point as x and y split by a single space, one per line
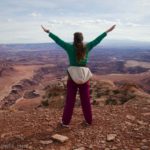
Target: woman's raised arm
97 40
59 41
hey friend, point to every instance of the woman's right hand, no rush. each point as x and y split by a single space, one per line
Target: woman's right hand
45 30
110 29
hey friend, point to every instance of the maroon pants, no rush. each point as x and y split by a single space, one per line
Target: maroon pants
84 91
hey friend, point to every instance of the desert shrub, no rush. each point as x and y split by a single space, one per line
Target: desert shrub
128 96
49 95
45 102
91 91
116 91
98 95
111 101
94 102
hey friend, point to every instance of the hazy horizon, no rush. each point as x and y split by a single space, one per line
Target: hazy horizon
123 42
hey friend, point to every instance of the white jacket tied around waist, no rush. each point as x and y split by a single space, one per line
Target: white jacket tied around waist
79 75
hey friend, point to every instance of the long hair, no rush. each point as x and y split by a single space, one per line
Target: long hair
79 46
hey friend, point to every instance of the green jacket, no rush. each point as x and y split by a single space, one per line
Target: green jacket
70 49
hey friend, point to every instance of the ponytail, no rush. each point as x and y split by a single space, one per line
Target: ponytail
79 46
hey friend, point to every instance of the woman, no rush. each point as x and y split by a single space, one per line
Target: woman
78 73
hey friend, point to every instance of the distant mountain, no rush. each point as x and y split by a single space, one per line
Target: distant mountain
28 47
126 44
114 44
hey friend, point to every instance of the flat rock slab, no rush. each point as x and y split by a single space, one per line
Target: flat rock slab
46 142
60 138
111 137
130 117
80 148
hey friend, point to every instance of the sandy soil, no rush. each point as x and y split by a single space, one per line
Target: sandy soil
128 77
21 72
133 63
25 104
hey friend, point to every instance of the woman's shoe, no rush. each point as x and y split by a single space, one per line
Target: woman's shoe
85 124
63 125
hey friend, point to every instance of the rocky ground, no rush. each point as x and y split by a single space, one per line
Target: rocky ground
121 116
115 127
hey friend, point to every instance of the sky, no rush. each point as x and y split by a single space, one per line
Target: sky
20 20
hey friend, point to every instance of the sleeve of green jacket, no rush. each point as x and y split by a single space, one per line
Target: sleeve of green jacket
96 41
59 41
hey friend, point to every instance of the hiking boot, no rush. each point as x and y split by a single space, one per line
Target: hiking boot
85 124
63 125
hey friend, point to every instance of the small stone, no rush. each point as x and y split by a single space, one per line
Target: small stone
111 137
19 137
136 129
12 109
130 117
82 133
126 147
103 146
25 146
141 122
30 147
61 97
46 142
47 119
6 135
49 129
34 113
128 123
80 148
144 140
146 114
90 146
145 147
114 147
3 135
103 142
60 138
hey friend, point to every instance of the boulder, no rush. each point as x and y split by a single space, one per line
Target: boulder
30 94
